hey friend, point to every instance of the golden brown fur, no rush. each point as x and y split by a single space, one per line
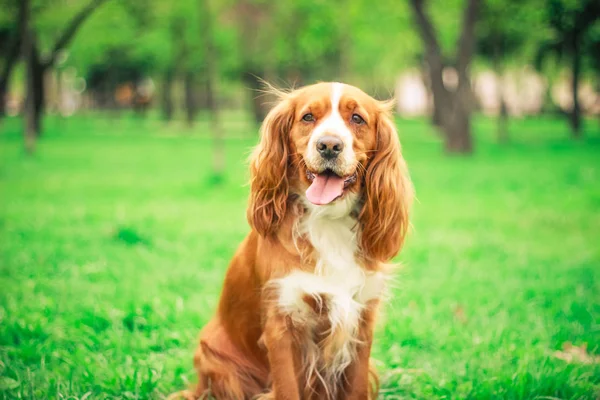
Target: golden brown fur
254 348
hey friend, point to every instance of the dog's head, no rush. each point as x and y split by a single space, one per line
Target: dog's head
333 146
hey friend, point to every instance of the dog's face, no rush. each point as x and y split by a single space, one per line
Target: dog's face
332 135
322 142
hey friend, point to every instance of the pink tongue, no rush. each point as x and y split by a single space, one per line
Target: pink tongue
325 189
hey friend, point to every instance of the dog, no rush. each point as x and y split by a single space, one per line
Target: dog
329 207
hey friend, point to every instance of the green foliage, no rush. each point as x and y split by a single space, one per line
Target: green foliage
118 35
447 19
501 267
8 14
510 30
49 19
574 27
360 41
382 39
151 37
593 47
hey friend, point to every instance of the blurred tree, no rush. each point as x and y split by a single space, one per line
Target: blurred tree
39 61
254 22
210 76
157 39
506 27
592 49
169 24
275 39
28 53
454 105
135 44
571 21
10 45
188 57
167 94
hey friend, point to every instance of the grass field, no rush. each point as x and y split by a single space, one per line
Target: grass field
114 241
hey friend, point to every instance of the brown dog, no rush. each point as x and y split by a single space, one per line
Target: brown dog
328 208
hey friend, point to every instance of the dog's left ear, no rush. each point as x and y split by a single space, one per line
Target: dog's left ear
388 195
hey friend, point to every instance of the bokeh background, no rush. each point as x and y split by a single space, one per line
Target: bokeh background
124 131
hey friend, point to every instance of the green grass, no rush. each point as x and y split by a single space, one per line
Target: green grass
114 240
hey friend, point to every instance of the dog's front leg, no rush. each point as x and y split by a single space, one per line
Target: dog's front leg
282 353
358 373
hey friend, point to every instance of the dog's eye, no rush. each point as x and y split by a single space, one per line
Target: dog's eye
308 117
357 119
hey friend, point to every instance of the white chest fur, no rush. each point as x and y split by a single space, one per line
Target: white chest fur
332 232
337 277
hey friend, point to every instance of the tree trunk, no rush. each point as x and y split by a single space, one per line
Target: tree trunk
502 128
211 89
462 142
38 89
201 96
436 111
11 60
456 122
454 107
439 103
36 67
503 121
167 95
3 96
458 132
216 130
28 57
59 92
12 57
576 111
436 115
191 108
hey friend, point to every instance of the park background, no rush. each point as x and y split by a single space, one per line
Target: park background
125 127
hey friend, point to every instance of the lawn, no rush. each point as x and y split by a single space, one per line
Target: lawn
114 241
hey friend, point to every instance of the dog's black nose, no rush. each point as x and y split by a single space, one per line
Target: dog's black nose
329 146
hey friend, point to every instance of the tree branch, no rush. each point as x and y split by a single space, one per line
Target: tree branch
12 57
71 29
427 32
466 42
14 48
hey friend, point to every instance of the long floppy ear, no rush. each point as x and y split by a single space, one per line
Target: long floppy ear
388 196
269 186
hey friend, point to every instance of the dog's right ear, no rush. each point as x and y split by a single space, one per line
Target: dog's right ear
269 165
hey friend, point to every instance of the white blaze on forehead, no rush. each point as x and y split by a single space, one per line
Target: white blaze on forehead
333 124
336 95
